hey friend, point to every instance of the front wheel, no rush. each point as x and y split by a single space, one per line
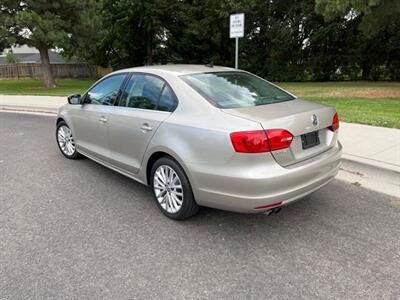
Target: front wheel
66 141
172 190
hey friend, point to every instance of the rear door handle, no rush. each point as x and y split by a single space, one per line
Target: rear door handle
103 119
146 127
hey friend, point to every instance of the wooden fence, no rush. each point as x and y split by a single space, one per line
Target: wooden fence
34 70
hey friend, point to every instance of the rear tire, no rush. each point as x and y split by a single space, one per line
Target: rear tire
66 141
171 189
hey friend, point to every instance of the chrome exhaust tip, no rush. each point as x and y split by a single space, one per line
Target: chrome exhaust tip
268 212
272 211
277 210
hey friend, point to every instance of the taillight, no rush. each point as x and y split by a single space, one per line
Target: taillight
250 141
335 123
261 140
279 139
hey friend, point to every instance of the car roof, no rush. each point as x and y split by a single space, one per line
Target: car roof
178 70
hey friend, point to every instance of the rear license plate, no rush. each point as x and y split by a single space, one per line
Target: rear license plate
310 139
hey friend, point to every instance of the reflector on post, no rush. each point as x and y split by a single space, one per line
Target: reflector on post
272 205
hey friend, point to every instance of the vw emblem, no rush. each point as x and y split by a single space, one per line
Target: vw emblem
314 120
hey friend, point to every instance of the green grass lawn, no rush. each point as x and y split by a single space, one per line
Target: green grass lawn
373 103
64 87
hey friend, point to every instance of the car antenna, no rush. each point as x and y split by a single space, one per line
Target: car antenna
210 64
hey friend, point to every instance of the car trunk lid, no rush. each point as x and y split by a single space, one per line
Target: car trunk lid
307 121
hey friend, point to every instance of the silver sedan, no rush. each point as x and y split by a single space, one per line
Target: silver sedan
204 136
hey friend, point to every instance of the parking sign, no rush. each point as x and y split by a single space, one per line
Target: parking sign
236 26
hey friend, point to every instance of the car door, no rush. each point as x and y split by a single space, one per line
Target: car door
145 103
90 120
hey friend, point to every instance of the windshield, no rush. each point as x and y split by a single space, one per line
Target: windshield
235 89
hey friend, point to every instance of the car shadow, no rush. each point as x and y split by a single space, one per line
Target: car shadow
329 208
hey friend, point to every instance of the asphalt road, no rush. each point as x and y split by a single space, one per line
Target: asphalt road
75 229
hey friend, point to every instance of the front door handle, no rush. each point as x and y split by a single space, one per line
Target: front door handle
146 127
103 119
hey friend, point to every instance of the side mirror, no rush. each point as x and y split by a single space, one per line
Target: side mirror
74 99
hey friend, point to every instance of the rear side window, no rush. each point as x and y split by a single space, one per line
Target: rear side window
147 92
235 89
167 100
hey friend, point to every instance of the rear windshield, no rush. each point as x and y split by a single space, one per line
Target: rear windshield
235 89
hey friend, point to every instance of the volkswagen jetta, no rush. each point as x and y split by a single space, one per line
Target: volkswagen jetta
204 136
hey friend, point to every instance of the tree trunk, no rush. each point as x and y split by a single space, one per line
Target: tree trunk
149 48
366 72
150 54
48 79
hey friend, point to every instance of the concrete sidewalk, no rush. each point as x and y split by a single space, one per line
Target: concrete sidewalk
44 104
376 146
367 145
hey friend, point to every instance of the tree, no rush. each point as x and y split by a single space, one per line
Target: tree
41 24
90 43
284 40
198 32
273 45
11 58
375 14
377 44
135 30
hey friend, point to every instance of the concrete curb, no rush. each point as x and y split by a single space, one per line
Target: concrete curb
28 109
371 163
370 177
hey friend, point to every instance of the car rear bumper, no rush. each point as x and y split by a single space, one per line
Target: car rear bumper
248 182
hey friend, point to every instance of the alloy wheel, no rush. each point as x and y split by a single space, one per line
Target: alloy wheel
168 189
66 140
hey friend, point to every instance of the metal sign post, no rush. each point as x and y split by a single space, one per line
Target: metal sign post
237 53
236 31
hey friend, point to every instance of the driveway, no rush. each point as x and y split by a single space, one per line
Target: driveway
75 229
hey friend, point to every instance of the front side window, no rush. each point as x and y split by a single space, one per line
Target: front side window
147 92
235 89
106 91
